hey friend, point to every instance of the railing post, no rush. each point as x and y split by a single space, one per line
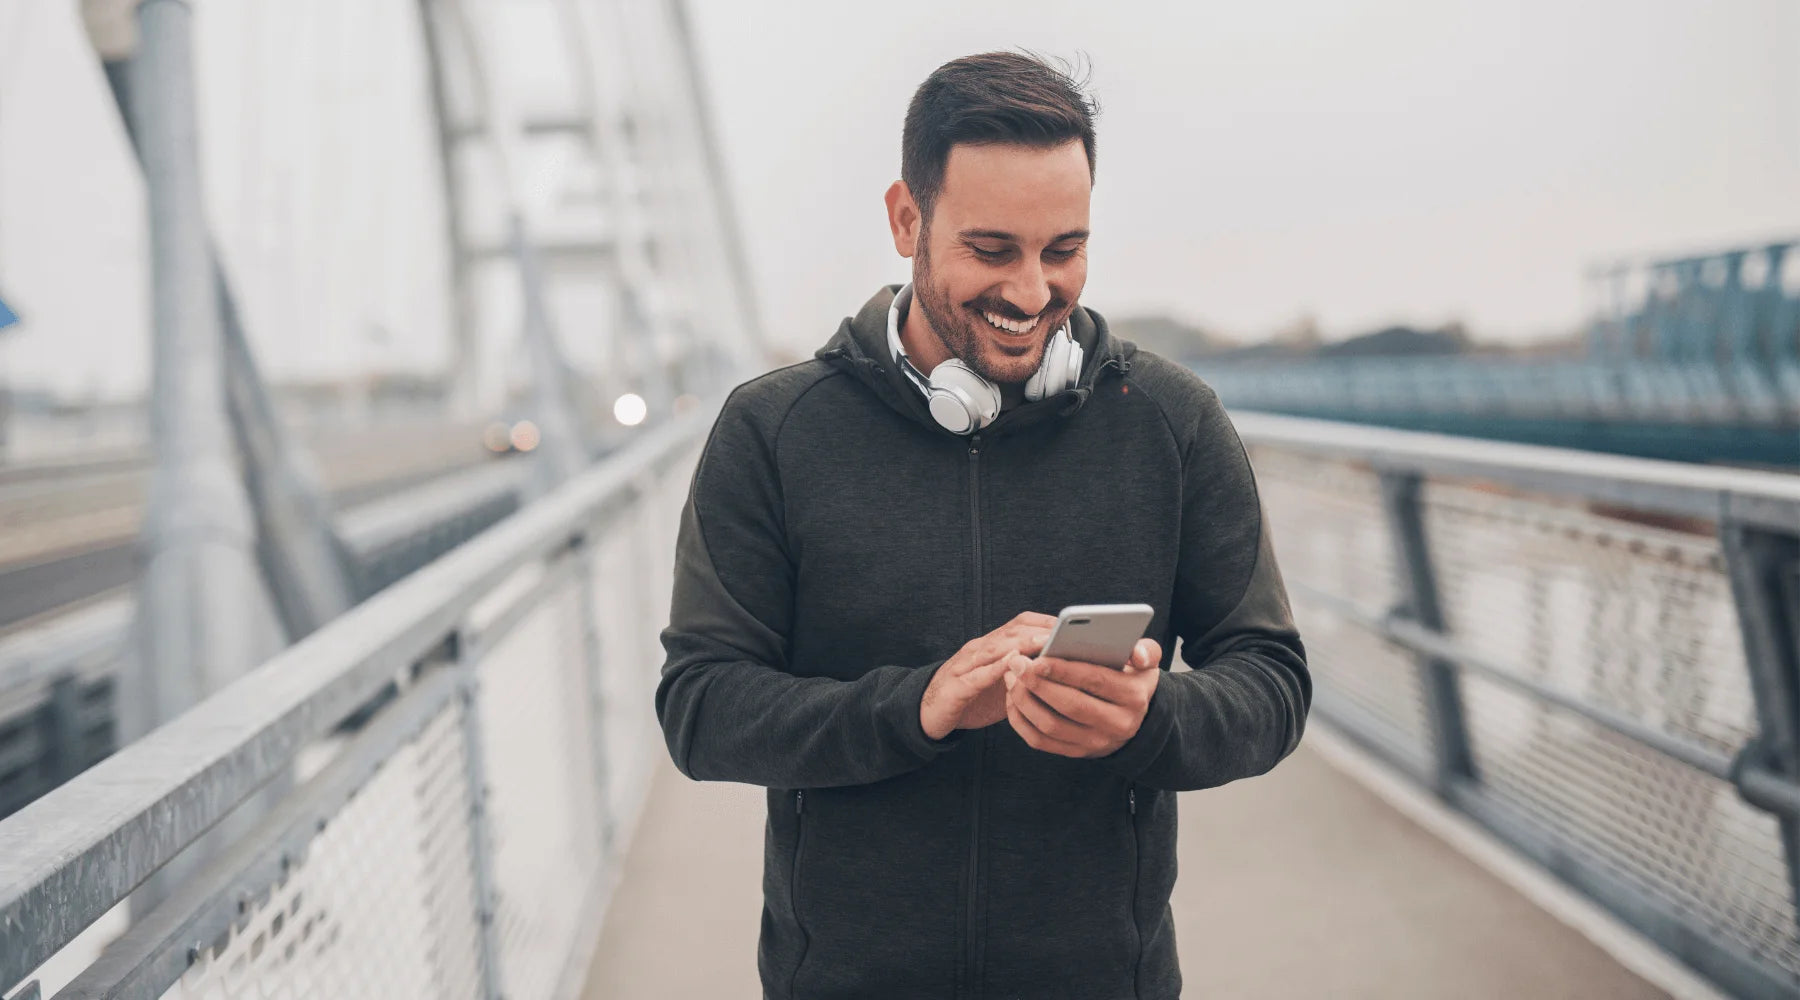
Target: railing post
62 717
1453 759
481 844
593 659
1762 566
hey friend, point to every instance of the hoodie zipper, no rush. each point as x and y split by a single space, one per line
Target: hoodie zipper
972 955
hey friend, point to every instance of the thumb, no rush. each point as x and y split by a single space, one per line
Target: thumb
1147 653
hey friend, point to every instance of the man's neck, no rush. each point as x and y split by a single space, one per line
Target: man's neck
926 350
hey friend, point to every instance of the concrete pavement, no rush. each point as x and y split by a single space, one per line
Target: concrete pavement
1301 883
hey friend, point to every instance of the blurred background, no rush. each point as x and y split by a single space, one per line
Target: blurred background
1459 178
310 306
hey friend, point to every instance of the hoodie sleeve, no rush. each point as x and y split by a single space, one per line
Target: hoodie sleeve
1242 706
729 709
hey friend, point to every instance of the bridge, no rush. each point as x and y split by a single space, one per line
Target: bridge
365 710
1693 358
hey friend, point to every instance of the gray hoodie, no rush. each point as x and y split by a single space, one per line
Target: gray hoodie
837 546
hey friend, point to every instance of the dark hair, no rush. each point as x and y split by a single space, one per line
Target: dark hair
994 97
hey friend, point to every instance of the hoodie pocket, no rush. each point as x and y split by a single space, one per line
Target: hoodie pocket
1060 882
1137 878
794 885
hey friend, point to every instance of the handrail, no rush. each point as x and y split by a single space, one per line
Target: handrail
71 855
1743 496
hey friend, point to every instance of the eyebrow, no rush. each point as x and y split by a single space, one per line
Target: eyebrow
995 234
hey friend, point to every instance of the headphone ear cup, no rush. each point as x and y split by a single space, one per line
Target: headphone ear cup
1060 368
961 401
1034 386
1072 373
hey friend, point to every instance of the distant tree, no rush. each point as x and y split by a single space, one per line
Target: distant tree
1166 336
1398 341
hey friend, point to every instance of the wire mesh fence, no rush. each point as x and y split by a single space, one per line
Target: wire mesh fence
1330 542
544 806
1589 641
383 903
456 827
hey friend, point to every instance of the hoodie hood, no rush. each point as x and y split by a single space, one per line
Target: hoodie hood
860 346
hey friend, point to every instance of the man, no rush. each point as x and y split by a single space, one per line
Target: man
869 561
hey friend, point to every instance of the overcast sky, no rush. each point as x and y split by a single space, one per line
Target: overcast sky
1360 162
1363 161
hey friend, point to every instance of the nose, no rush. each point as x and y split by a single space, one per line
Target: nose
1027 288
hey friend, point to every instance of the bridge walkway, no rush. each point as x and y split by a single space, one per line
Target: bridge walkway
1301 883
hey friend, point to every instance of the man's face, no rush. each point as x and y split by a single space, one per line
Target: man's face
1002 260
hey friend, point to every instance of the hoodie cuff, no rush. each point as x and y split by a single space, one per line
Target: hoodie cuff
905 698
1153 734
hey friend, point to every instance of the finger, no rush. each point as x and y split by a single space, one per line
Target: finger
1046 719
1078 706
1008 639
983 651
1147 653
1033 618
1035 737
1027 639
1104 683
981 678
1033 644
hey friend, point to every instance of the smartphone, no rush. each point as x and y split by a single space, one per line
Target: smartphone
1098 633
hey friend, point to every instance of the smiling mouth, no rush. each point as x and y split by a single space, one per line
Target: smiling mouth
1014 327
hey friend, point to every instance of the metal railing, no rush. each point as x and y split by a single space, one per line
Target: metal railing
58 681
1593 656
469 748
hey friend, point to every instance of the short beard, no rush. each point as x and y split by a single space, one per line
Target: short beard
956 329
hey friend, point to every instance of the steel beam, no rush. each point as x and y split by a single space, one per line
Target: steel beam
725 205
452 32
450 132
1400 502
1761 565
305 564
201 595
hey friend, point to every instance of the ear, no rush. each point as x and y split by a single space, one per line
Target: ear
903 219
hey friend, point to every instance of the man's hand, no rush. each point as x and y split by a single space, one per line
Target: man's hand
965 693
1081 709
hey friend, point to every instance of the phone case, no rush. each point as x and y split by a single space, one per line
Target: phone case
1099 633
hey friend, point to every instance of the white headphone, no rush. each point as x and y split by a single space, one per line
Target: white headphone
963 402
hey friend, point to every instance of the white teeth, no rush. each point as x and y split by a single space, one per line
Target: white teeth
1012 326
